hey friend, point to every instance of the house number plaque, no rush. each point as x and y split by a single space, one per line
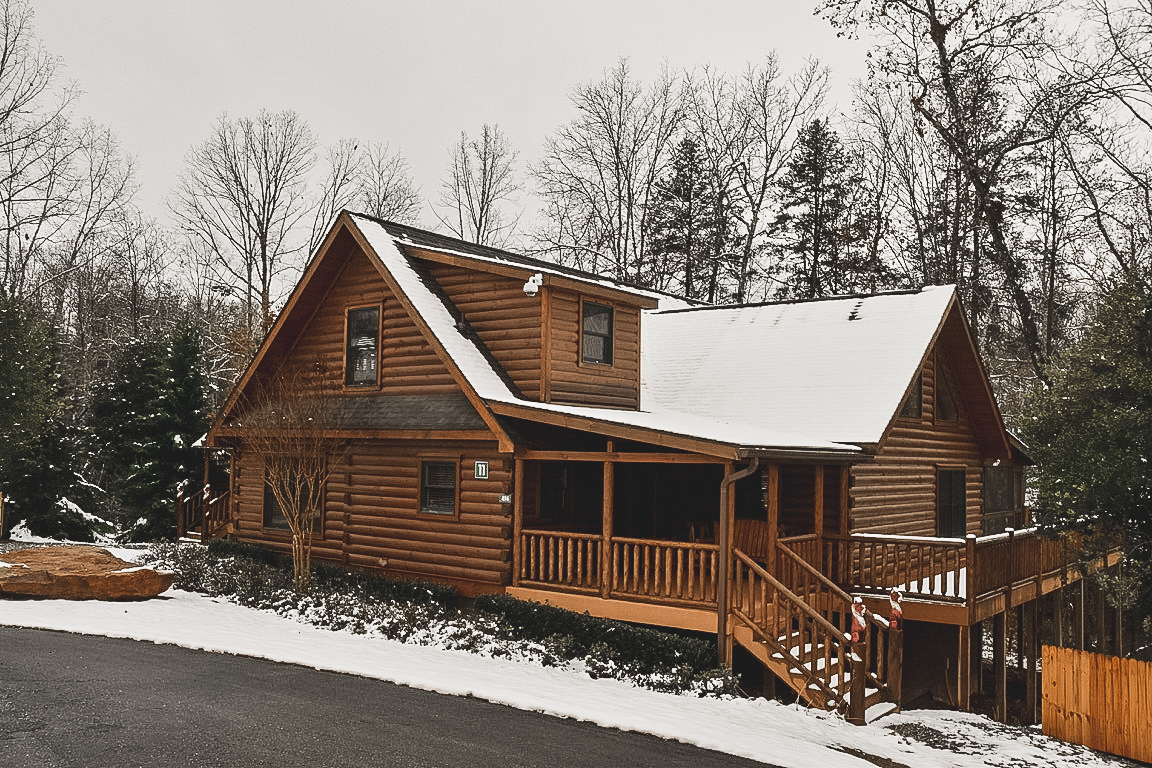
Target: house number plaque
481 470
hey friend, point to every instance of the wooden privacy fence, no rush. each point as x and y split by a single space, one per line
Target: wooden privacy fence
1101 702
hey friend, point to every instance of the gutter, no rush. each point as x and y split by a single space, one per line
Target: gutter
725 537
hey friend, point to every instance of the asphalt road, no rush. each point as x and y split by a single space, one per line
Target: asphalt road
95 702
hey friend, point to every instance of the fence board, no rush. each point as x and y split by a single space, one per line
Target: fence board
1101 702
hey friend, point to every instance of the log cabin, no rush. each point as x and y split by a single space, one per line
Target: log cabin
505 424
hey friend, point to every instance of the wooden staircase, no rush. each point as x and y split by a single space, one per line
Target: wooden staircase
200 516
799 625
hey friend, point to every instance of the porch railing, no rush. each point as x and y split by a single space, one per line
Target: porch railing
667 571
200 514
947 570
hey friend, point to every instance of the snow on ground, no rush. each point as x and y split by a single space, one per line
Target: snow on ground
762 730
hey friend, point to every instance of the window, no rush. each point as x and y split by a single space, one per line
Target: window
913 406
362 351
951 504
596 340
945 394
438 487
274 517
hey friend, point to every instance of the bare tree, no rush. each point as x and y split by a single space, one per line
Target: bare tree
369 179
599 173
983 81
747 128
480 180
287 422
242 195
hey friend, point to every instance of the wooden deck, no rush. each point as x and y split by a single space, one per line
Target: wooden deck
948 581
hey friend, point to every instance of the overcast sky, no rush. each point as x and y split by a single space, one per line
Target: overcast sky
412 74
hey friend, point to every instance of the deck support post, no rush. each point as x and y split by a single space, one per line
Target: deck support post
964 669
1030 643
517 521
1078 617
606 541
857 657
1058 616
895 666
1102 644
999 665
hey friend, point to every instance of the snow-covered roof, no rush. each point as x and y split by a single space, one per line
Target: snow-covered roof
834 369
822 375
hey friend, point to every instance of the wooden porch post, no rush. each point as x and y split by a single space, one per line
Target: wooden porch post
999 666
818 502
606 541
1028 633
772 502
1058 615
517 521
964 669
845 491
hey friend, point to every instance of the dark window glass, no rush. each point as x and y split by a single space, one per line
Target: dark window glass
597 334
913 407
362 356
274 515
945 396
951 504
438 487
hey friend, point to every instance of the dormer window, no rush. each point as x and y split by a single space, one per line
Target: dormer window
596 337
362 347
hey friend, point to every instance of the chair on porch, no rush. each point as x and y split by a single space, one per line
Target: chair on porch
751 537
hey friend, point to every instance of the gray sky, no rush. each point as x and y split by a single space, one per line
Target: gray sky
412 74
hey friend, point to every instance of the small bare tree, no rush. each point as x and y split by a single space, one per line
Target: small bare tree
290 424
479 180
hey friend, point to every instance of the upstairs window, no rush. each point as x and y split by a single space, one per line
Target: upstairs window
913 407
438 487
596 339
945 395
362 347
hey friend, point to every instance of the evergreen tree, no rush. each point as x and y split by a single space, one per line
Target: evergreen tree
689 228
1091 435
148 419
37 442
816 224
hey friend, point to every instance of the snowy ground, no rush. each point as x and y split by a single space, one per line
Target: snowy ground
758 729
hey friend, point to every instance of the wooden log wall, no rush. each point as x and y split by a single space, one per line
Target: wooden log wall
507 320
409 365
896 494
372 517
567 379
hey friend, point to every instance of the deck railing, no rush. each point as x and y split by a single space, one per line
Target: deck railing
561 559
938 569
664 571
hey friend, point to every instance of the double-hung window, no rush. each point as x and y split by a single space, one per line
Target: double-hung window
362 347
438 487
596 336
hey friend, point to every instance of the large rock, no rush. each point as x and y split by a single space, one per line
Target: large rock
77 573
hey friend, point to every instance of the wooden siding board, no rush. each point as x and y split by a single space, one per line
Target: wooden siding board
896 493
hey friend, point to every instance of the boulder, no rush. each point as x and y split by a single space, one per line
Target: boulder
77 573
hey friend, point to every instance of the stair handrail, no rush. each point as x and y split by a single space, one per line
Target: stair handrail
879 678
832 586
834 634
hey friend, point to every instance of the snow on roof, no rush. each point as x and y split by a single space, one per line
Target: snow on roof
833 369
820 375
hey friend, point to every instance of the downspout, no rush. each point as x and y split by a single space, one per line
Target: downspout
725 539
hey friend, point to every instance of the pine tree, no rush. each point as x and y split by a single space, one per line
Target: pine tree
816 225
689 226
147 420
1091 435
